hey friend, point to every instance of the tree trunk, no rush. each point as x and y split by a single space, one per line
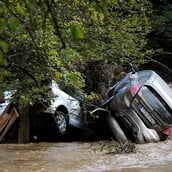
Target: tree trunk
24 126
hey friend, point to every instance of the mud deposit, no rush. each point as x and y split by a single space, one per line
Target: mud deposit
84 157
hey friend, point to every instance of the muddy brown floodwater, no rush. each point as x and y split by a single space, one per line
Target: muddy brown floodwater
83 157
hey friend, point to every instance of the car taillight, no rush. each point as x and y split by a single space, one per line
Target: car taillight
168 131
134 89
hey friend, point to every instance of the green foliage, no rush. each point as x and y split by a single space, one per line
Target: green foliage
54 38
2 8
73 78
114 30
160 37
4 46
32 47
162 26
3 24
21 9
14 25
76 32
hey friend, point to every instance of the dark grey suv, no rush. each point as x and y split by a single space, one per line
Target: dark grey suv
141 103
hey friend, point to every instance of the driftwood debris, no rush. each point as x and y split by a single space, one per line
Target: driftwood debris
7 119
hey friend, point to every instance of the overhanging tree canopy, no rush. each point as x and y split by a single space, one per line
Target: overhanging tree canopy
43 38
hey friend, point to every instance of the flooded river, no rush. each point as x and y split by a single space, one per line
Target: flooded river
83 157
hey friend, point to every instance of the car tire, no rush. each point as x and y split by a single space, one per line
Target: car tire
61 121
116 130
162 136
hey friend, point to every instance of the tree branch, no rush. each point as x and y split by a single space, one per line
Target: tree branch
166 53
159 63
12 64
56 26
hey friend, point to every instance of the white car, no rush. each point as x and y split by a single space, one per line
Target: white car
64 108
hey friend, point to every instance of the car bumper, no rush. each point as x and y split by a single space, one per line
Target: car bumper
142 133
134 124
76 121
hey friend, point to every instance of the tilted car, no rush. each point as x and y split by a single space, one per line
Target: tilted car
142 103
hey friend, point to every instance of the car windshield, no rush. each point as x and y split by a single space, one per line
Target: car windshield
157 103
144 76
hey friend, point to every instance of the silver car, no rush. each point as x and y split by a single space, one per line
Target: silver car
142 105
63 108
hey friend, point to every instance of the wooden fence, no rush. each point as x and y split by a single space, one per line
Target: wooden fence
7 119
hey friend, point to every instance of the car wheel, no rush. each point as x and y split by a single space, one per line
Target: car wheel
162 136
116 130
61 122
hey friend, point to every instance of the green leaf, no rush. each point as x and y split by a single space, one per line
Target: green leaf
146 20
134 20
114 1
3 24
14 24
168 14
4 46
77 32
20 9
2 60
132 1
2 8
1 56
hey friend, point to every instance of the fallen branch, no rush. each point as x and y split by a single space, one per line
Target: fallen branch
159 63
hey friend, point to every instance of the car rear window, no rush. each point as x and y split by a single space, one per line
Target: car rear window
157 103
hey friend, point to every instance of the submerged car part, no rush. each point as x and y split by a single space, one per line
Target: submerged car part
142 105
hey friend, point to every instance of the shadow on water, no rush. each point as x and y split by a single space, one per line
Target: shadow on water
45 130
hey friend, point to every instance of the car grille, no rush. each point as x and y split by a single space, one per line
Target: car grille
144 112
